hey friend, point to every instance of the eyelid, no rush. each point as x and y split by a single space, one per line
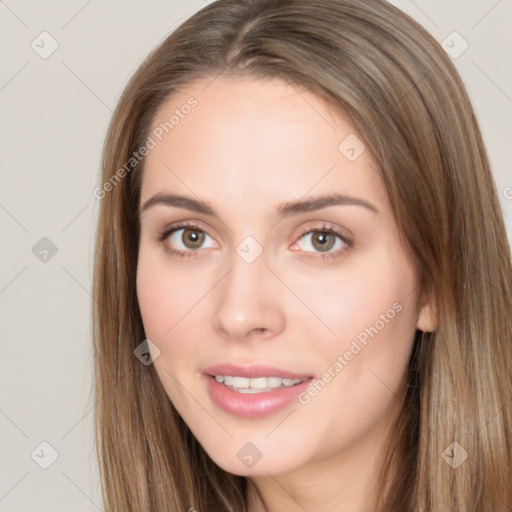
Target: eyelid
320 225
191 224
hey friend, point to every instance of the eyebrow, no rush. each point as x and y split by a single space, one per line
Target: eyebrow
285 209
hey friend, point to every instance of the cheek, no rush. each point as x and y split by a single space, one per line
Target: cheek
172 302
166 295
361 371
377 351
154 300
372 310
166 300
360 301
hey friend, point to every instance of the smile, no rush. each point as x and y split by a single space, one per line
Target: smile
256 384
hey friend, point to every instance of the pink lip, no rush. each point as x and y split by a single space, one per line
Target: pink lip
252 405
250 371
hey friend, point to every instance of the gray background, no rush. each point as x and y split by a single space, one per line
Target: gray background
55 113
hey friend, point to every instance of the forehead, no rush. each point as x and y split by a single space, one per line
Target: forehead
248 106
263 137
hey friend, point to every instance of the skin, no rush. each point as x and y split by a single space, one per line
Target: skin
248 146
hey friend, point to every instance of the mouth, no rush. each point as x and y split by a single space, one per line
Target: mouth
253 391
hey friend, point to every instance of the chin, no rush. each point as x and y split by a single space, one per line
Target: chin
245 459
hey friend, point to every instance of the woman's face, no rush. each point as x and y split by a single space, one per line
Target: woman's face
289 266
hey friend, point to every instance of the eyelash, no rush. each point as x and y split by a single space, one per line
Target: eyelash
348 244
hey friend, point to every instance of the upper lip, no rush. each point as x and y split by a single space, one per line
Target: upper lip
252 371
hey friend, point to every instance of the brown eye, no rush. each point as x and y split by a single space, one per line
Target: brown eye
321 241
192 238
187 239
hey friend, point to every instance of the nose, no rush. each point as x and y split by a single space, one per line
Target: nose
248 302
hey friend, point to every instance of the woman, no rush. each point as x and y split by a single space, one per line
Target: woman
302 280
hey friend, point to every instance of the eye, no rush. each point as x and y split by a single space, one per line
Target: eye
324 243
185 239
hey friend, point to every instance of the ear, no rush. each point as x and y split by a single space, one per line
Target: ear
427 315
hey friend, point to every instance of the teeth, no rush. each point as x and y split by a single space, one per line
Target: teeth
238 382
256 384
274 382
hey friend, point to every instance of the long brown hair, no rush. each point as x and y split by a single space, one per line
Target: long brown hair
408 102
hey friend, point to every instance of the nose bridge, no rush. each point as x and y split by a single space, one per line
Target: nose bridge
246 300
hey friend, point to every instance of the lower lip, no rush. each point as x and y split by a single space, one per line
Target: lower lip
256 405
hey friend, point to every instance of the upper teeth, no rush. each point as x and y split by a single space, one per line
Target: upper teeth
259 383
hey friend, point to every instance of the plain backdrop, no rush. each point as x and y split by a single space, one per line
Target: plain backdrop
55 111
